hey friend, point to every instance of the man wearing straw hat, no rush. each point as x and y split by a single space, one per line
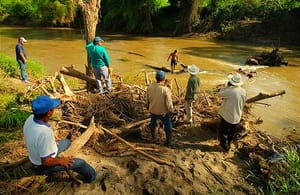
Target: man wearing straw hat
192 91
234 98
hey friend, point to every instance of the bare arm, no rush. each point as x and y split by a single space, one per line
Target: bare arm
62 161
23 57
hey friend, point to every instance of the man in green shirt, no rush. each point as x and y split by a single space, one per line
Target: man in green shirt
192 91
100 62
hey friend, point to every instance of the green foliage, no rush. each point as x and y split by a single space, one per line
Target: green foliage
284 177
13 118
42 12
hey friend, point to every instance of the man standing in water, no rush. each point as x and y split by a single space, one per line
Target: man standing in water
159 102
192 91
100 62
174 60
21 57
234 98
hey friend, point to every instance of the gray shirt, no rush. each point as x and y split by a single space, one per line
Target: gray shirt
234 98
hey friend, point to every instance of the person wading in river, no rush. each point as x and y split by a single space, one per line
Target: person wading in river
159 102
21 57
234 98
174 59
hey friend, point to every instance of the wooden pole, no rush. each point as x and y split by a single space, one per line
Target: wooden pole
262 96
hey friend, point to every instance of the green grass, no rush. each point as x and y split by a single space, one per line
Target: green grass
10 66
283 178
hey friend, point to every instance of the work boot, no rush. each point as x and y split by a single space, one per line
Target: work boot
154 140
168 142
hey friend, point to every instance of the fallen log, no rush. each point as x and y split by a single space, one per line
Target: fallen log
70 71
66 87
262 96
165 69
272 58
80 141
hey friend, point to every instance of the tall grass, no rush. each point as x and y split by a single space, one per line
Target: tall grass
283 178
11 67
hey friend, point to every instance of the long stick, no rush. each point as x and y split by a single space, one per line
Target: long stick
262 96
159 161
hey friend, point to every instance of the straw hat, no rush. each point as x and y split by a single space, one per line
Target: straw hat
193 69
235 79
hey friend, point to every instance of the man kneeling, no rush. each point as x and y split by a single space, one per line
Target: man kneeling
42 147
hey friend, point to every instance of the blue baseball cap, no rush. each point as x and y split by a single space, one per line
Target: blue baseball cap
160 75
97 39
44 104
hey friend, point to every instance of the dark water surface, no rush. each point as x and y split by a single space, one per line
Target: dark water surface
129 54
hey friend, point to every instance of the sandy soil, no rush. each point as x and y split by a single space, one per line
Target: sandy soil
200 168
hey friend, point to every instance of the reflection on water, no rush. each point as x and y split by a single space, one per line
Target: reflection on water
129 54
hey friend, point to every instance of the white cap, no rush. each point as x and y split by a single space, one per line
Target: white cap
22 39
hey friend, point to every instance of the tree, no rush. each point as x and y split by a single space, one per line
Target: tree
189 15
89 10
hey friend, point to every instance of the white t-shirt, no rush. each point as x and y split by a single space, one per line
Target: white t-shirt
39 139
234 98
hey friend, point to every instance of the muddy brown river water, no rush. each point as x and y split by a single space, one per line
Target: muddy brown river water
55 47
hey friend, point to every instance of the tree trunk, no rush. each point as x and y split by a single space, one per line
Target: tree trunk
189 15
89 10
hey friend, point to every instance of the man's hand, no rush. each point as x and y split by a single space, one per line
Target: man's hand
109 70
66 161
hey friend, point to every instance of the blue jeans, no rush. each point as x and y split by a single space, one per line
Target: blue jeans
22 66
79 165
102 72
166 120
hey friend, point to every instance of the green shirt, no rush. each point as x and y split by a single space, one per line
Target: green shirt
98 55
192 88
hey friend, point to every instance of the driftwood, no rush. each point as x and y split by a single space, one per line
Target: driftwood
262 96
267 58
66 88
25 185
130 125
80 141
159 161
165 69
77 74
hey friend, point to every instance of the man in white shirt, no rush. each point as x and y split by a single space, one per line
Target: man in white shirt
234 98
42 147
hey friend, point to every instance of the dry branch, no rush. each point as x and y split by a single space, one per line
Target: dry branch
66 88
159 161
80 141
262 96
130 125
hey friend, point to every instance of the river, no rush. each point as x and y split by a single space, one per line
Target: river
56 47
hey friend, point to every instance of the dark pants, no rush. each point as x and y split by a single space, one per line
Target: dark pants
226 134
166 120
79 165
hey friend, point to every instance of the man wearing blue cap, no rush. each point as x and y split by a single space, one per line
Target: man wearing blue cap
159 102
100 63
42 148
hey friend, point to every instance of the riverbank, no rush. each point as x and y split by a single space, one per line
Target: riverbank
200 167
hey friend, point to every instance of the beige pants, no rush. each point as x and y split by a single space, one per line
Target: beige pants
189 110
